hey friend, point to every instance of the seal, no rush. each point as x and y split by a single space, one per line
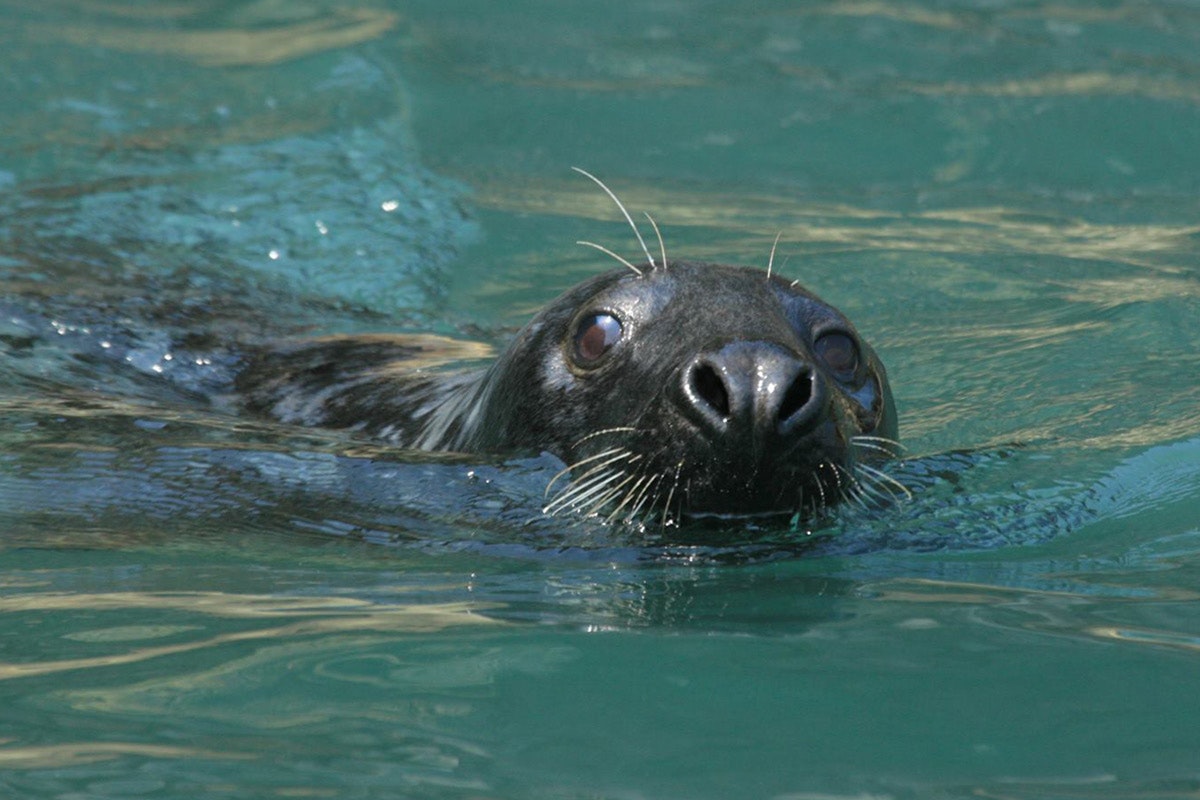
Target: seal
668 388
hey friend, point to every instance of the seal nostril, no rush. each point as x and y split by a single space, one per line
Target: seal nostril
708 386
796 396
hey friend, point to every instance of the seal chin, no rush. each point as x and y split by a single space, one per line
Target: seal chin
671 472
737 473
807 493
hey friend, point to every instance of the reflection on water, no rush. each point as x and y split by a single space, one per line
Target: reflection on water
59 756
227 47
301 176
324 616
815 229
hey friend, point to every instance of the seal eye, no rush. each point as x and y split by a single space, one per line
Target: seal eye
839 353
595 336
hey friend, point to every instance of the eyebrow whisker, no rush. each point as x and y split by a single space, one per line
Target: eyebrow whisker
621 206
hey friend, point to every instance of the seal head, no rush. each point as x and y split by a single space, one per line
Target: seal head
696 388
690 388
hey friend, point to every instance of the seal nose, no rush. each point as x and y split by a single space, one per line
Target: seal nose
754 389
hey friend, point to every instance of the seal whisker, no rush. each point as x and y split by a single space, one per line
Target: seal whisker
604 432
598 475
837 476
642 496
629 495
581 462
885 478
872 446
855 490
882 440
837 470
671 494
608 252
820 489
771 258
878 492
876 438
845 491
611 494
621 206
661 244
577 495
601 502
651 500
628 457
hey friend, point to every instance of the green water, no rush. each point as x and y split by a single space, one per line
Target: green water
1005 197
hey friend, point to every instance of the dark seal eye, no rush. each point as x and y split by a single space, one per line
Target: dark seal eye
595 336
839 353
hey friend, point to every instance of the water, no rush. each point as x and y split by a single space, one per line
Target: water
1004 197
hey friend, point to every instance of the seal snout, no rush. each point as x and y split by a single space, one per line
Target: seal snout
752 393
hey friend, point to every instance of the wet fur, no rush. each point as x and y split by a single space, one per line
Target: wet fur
393 388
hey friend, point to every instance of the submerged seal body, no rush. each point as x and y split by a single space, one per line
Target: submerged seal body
672 388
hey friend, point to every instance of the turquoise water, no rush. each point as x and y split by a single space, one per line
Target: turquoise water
1004 197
